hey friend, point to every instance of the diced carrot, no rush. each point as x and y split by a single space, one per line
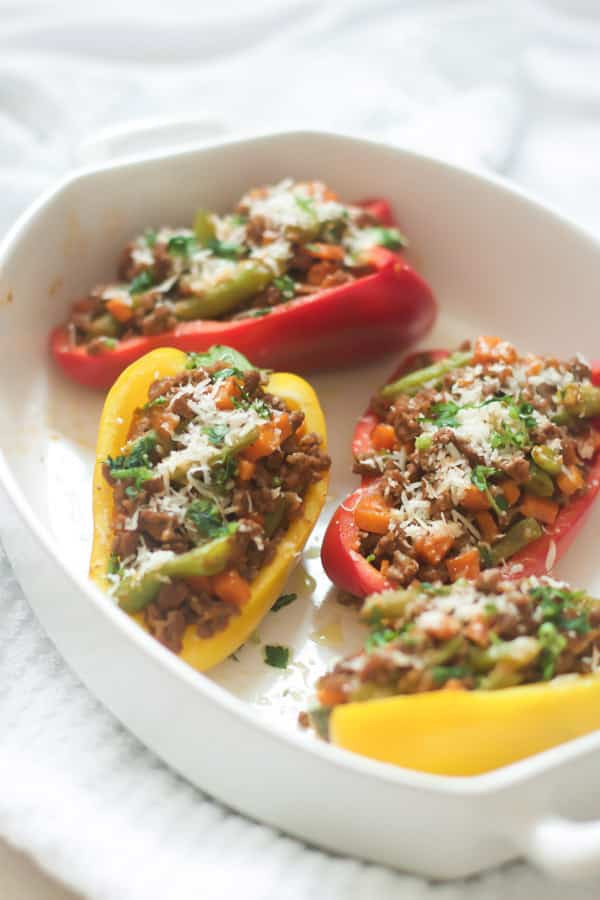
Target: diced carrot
319 271
313 188
246 469
487 525
271 436
230 587
119 309
372 514
535 366
229 391
326 251
474 500
465 565
510 491
383 437
383 568
434 546
541 508
490 349
330 696
570 480
453 684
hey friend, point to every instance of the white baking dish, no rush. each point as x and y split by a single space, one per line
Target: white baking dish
500 264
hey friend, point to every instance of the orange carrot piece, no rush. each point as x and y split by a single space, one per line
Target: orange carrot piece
330 696
570 480
510 490
372 514
383 568
487 525
326 251
271 436
541 508
383 437
230 587
474 500
490 349
119 309
229 391
246 469
465 565
433 547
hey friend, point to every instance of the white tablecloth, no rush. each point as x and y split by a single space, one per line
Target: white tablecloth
512 85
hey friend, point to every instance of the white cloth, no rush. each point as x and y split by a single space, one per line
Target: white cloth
512 85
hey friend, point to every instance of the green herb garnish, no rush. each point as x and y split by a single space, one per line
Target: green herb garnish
441 674
181 244
216 434
283 600
207 518
142 282
388 237
277 656
286 286
225 249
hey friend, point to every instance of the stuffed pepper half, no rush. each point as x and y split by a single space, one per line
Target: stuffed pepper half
469 461
209 479
460 679
292 276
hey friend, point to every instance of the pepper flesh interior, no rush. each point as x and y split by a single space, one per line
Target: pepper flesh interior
461 679
127 396
470 458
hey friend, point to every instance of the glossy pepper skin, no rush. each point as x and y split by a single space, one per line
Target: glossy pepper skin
453 732
350 571
386 310
131 391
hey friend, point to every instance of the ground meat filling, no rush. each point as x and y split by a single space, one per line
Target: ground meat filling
280 243
485 635
473 462
210 454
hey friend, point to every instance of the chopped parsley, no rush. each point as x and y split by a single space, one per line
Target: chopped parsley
444 414
138 456
286 286
224 470
227 372
114 564
283 600
388 237
216 434
158 401
306 204
182 244
142 282
553 643
207 519
150 236
380 637
225 249
277 656
479 477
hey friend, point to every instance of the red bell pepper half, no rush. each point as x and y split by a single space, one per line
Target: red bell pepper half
342 326
350 571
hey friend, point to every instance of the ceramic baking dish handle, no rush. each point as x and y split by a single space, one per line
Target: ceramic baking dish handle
148 136
564 848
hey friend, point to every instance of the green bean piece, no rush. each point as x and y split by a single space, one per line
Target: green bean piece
539 482
209 559
581 400
517 653
501 676
547 459
445 652
414 381
204 227
387 605
520 535
249 278
104 326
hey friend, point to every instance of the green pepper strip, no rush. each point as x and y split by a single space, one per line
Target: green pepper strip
249 278
204 227
581 400
522 533
414 381
539 482
221 455
209 559
547 459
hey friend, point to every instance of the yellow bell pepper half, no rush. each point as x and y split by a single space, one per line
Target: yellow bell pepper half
455 732
131 391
